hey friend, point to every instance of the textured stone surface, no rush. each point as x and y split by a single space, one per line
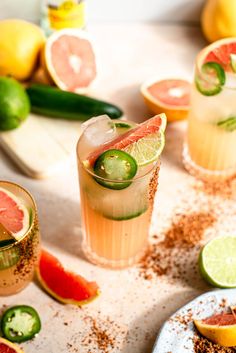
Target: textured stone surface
137 307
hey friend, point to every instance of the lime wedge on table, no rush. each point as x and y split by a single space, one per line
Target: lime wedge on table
217 262
147 149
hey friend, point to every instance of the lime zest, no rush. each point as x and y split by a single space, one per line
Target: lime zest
228 124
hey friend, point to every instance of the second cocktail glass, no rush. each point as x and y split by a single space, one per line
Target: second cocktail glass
210 151
116 209
18 256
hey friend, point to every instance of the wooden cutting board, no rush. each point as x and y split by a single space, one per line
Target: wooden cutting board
41 146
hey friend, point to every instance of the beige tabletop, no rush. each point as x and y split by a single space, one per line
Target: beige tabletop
133 303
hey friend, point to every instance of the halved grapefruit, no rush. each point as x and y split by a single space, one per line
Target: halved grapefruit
149 134
65 286
14 215
8 347
219 328
213 62
171 96
70 59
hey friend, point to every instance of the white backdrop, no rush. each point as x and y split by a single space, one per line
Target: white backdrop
115 10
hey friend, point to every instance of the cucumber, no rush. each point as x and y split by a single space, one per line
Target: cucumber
53 102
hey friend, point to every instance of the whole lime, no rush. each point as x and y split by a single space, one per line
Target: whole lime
14 104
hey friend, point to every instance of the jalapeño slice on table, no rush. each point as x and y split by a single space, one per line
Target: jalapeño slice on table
20 323
211 79
115 165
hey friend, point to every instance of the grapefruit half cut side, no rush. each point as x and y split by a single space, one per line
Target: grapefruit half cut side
70 59
65 286
14 215
170 96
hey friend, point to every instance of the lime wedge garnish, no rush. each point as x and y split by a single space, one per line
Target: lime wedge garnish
233 62
147 149
6 238
217 262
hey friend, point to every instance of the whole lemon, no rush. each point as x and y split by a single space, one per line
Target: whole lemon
20 45
219 19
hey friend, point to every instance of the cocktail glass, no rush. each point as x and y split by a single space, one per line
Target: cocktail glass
19 258
115 221
210 150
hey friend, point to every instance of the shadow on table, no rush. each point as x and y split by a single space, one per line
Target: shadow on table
174 140
154 319
60 223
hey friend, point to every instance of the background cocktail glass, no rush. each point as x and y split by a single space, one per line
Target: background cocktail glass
115 223
210 149
18 260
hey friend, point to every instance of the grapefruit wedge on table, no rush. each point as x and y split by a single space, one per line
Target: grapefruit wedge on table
148 134
219 328
8 347
70 59
65 286
171 96
14 216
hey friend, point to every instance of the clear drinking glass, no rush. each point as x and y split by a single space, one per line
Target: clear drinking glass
18 260
115 222
210 150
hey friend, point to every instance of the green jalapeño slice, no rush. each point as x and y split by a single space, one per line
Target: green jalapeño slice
20 323
115 165
211 79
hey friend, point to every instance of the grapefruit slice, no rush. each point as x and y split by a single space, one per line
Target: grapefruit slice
219 328
8 347
67 287
14 216
170 96
128 140
70 59
212 63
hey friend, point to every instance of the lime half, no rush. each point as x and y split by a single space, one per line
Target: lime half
147 149
217 262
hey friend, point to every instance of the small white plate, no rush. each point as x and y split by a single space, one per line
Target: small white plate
177 337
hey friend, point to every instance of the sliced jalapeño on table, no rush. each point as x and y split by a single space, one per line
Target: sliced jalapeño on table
20 323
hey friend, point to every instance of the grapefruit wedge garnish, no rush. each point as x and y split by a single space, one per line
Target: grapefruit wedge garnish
144 142
9 347
213 62
14 216
171 96
219 328
65 286
70 59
